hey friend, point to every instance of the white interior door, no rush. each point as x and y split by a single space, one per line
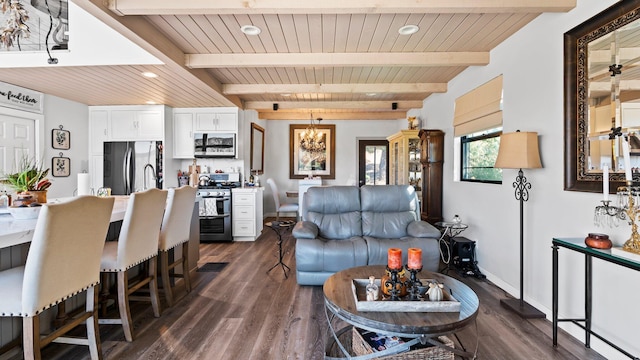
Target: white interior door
17 142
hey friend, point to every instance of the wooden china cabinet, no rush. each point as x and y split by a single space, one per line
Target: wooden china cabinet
404 159
432 158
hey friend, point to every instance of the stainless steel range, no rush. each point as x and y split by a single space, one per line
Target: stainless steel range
215 207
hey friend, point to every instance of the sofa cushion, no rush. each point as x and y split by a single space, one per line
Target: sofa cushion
335 210
388 210
423 229
330 255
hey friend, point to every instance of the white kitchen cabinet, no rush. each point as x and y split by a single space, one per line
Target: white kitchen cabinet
96 171
98 130
246 213
183 135
216 120
187 121
124 123
137 124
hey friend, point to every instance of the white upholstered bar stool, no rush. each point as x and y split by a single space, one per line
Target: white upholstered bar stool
137 243
63 260
286 207
176 226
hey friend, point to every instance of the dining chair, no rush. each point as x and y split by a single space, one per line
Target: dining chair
280 207
63 260
137 243
175 230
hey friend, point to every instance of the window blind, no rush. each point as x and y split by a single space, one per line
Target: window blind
479 109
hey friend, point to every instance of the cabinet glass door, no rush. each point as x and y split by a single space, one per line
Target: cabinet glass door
415 169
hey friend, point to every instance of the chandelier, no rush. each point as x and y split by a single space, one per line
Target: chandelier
313 140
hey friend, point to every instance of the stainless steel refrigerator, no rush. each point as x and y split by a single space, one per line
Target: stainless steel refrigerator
131 166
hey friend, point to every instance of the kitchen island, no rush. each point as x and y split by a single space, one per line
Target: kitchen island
16 235
15 232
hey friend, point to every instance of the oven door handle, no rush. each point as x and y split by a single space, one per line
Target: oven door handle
215 216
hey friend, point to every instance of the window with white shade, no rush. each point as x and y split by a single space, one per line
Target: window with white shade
477 125
479 152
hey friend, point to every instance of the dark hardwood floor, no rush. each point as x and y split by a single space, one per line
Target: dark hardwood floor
242 312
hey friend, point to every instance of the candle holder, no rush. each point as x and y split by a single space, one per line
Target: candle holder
413 283
628 197
633 244
393 283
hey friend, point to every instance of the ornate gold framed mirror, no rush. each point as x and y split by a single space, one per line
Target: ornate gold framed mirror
601 92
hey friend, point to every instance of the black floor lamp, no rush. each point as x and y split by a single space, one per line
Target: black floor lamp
519 150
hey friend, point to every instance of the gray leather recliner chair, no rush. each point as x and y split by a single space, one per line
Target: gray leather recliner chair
347 226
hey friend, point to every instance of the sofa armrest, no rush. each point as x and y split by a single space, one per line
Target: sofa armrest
422 229
305 230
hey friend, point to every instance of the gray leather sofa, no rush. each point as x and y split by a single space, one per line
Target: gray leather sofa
347 226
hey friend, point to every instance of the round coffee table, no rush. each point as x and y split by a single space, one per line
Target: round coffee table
340 302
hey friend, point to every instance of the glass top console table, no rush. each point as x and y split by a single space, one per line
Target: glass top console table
578 245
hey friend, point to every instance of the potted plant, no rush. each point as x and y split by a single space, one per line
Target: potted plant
30 179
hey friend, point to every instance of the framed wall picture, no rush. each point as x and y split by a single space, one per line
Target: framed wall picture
61 139
60 166
304 162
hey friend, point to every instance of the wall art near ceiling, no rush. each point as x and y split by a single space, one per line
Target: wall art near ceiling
312 155
60 166
20 98
36 25
61 139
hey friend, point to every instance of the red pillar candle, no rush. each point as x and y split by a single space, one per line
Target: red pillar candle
415 258
394 258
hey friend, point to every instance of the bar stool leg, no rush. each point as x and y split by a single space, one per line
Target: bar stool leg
185 266
123 305
93 330
166 281
104 294
153 286
31 337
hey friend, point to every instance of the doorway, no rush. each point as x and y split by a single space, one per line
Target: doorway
373 157
18 142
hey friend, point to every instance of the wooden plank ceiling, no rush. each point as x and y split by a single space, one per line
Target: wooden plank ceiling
339 59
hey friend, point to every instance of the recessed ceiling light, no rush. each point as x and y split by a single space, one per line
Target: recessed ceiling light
151 102
285 95
408 29
149 74
250 30
372 94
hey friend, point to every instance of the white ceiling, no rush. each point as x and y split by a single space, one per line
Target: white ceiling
344 59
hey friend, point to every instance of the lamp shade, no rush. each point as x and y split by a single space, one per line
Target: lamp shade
518 150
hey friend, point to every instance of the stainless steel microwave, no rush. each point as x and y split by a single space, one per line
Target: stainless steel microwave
214 145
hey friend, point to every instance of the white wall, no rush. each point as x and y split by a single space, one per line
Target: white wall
74 117
276 158
532 64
